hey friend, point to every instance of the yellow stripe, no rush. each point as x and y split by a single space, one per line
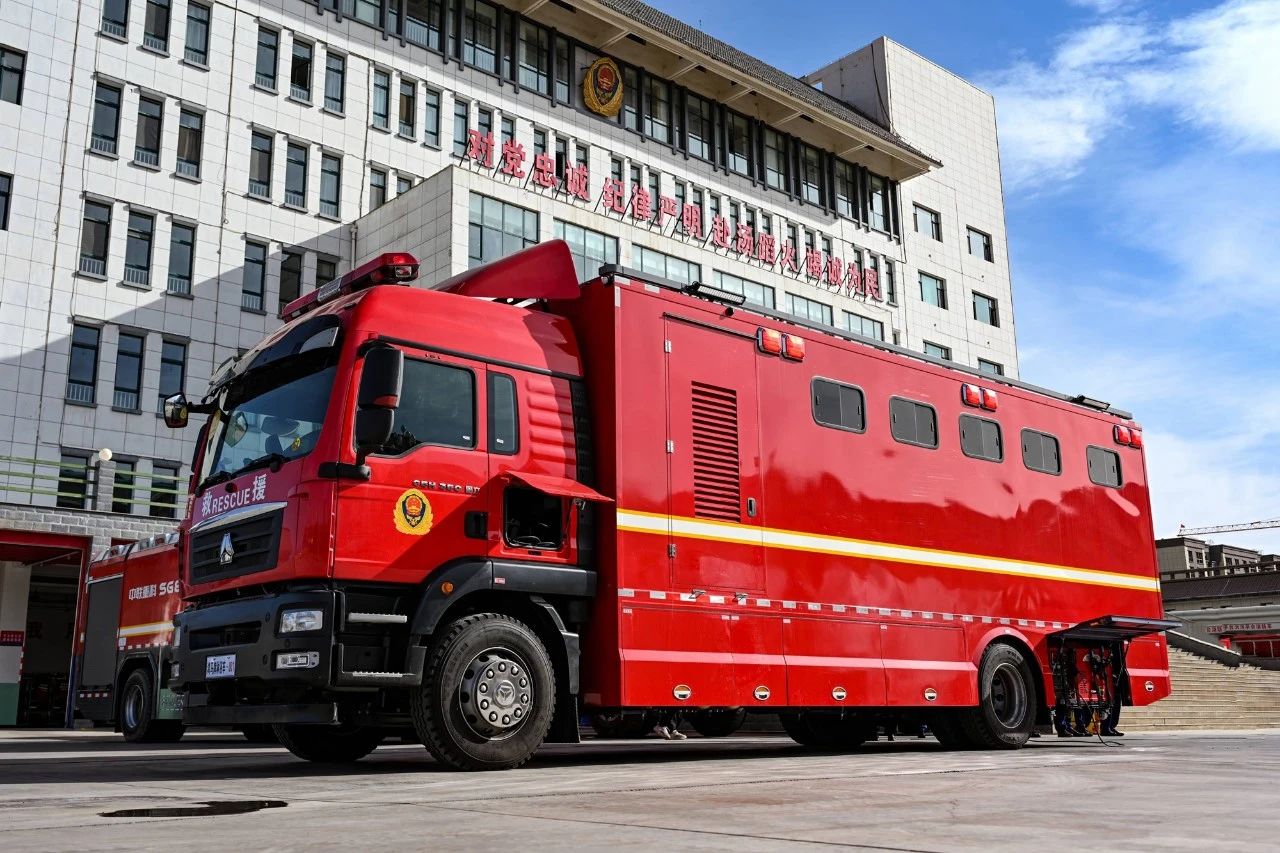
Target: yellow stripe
148 628
794 540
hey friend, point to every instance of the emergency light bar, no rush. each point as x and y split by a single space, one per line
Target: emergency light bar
391 268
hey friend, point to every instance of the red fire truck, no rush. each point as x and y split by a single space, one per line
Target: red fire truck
470 511
125 625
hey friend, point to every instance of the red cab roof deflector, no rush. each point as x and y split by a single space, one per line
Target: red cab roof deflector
544 271
558 486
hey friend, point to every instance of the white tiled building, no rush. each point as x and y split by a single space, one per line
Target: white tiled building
173 171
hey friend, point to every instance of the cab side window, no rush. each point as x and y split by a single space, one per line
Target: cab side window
504 433
533 519
437 406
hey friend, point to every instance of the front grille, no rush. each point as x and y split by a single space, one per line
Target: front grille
255 541
242 634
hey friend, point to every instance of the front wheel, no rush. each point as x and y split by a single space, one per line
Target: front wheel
1006 711
487 694
138 723
719 722
328 744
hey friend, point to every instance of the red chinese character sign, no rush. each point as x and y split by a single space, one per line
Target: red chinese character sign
544 171
613 197
513 159
578 182
641 204
480 148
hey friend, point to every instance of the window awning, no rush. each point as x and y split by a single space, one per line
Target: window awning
559 486
1115 628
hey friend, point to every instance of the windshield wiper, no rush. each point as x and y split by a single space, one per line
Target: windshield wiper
275 460
213 480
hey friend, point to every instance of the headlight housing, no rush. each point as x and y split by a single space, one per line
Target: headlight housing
301 619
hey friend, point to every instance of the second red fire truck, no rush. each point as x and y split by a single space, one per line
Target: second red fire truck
468 512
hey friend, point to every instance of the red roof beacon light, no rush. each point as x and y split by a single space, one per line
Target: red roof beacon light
1123 435
1135 438
769 340
971 395
990 400
389 268
793 347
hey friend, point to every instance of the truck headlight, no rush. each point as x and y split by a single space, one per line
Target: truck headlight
307 619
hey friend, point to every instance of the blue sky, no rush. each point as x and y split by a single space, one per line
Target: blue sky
1141 150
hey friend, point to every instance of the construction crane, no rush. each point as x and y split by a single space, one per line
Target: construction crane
1183 530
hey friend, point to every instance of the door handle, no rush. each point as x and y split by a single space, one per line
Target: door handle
751 507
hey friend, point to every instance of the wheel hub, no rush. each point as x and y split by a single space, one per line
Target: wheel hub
1008 696
496 694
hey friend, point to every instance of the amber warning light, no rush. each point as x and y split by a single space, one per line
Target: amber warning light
390 268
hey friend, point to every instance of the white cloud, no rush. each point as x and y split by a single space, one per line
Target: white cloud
1103 7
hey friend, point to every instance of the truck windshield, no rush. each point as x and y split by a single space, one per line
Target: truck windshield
270 416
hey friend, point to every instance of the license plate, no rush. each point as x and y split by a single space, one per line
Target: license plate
220 666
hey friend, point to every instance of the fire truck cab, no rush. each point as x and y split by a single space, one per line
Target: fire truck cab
470 511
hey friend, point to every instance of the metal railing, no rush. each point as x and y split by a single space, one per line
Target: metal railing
122 399
188 168
179 284
406 129
329 208
252 301
102 144
79 392
266 81
295 198
192 54
137 275
80 485
146 156
155 42
261 189
92 265
301 93
113 28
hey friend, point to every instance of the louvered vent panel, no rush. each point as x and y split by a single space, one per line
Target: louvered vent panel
717 482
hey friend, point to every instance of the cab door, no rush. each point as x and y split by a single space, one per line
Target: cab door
411 514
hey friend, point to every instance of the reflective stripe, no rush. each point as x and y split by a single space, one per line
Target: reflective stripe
720 531
149 628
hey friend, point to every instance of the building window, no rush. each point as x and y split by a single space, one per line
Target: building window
739 137
667 266
756 294
480 35
326 270
460 124
657 109
986 310
150 123
1104 467
260 165
155 29
122 487
82 373
115 18
933 290
838 405
381 100
295 175
196 49
330 184
377 188
1040 452
994 368
6 192
484 121
564 79
809 309
106 119
367 11
937 351
581 154
128 371
290 278
431 126
164 490
335 82
422 22
928 223
404 183
864 326
534 57
980 245
13 64
878 197
95 235
590 249
630 114
497 229
268 53
300 71
73 481
811 175
888 283
255 276
777 173
408 108
190 143
846 191
913 423
698 118
137 252
980 439
655 192
182 241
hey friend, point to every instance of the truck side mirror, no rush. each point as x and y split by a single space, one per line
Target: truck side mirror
176 411
378 397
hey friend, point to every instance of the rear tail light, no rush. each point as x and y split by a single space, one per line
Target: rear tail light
1123 435
770 341
793 347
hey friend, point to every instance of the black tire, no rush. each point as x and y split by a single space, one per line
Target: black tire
1006 711
828 730
622 725
945 727
473 711
720 722
137 712
342 744
259 733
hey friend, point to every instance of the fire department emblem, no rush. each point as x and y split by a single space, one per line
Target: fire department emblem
602 87
413 513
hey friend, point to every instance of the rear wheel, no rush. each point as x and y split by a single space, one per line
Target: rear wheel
487 695
1006 711
828 730
719 722
137 712
622 725
328 744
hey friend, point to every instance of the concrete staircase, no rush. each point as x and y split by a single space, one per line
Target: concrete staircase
1210 695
